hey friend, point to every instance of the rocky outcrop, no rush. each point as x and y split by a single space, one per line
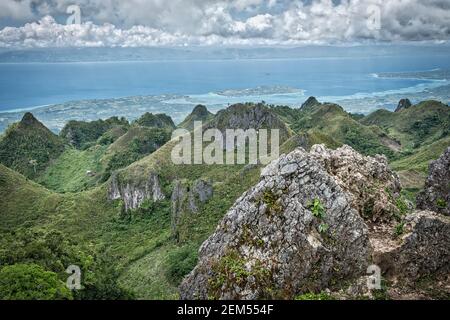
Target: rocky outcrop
295 231
248 116
403 104
436 195
186 199
310 102
425 247
415 265
28 119
372 185
315 222
133 194
422 249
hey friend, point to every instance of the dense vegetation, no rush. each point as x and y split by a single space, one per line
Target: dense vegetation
82 134
28 146
160 121
142 253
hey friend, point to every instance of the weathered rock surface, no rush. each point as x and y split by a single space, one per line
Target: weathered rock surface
134 194
302 229
372 185
436 195
245 117
295 231
403 104
415 265
425 247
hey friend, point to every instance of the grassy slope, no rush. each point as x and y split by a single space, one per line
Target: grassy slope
423 131
229 184
418 125
86 217
68 173
413 169
330 120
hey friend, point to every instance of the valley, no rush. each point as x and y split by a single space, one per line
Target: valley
105 195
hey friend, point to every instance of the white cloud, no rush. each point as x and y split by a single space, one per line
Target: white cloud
18 10
215 22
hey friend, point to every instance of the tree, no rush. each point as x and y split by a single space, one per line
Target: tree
31 282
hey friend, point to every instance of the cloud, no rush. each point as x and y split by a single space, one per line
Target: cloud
220 22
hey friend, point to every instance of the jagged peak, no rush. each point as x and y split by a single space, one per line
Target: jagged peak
311 101
29 119
200 110
403 104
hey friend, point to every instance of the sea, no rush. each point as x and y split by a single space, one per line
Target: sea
360 84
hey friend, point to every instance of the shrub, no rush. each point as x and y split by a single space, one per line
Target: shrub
31 282
180 262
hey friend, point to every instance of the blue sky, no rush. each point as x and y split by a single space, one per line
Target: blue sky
42 23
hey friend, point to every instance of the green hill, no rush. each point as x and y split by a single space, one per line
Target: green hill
82 135
137 143
102 151
415 126
330 120
28 146
161 121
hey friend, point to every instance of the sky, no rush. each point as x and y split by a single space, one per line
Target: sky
137 23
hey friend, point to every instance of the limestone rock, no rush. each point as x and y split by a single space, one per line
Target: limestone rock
373 186
294 232
134 194
248 116
436 196
426 246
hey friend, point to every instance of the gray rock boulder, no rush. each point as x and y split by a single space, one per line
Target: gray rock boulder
425 247
296 231
436 195
370 182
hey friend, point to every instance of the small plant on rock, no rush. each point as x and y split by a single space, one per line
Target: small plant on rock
317 209
441 203
399 229
323 227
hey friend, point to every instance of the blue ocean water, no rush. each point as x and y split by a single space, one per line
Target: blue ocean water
25 85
